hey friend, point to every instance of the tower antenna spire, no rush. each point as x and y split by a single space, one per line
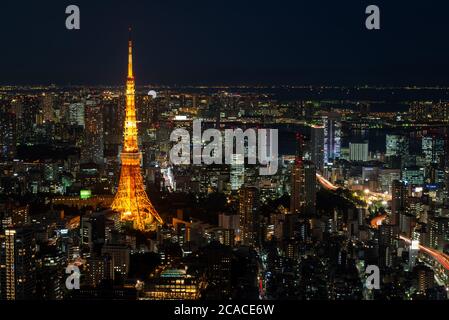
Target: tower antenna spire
130 54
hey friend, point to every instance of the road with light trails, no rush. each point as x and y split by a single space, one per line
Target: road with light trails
439 256
377 221
330 186
326 183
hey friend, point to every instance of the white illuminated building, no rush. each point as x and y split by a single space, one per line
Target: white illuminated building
237 171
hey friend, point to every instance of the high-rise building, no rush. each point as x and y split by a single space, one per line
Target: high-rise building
424 278
413 254
249 216
332 137
8 135
358 151
433 149
86 232
76 114
399 200
51 276
439 232
317 147
111 123
98 269
397 146
303 188
48 112
386 245
17 264
120 259
30 112
413 175
386 178
303 183
224 236
237 174
131 199
93 148
230 222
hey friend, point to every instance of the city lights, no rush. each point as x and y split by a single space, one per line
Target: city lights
270 160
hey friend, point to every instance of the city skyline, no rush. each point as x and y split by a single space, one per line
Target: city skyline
244 191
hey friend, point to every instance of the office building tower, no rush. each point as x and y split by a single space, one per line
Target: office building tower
424 276
97 270
48 112
317 147
249 216
112 121
237 173
396 145
386 178
119 255
332 137
17 264
86 232
438 228
93 147
303 188
413 175
358 151
413 254
76 114
398 200
8 135
230 222
303 182
433 149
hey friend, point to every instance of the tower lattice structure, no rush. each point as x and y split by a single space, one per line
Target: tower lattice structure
131 200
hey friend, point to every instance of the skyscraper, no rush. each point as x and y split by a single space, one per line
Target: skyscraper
303 188
93 148
433 149
237 174
424 278
249 218
76 114
396 145
48 111
332 136
120 259
131 200
398 202
303 183
317 147
439 232
17 264
358 151
8 135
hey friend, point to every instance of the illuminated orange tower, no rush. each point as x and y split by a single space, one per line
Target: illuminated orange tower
131 200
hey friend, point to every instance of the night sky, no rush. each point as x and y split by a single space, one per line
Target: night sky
226 42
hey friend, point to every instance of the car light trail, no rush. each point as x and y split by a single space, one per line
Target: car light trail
441 257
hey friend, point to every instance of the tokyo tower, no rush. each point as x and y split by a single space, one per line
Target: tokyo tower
131 200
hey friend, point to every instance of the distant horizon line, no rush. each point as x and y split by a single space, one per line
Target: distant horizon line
240 85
